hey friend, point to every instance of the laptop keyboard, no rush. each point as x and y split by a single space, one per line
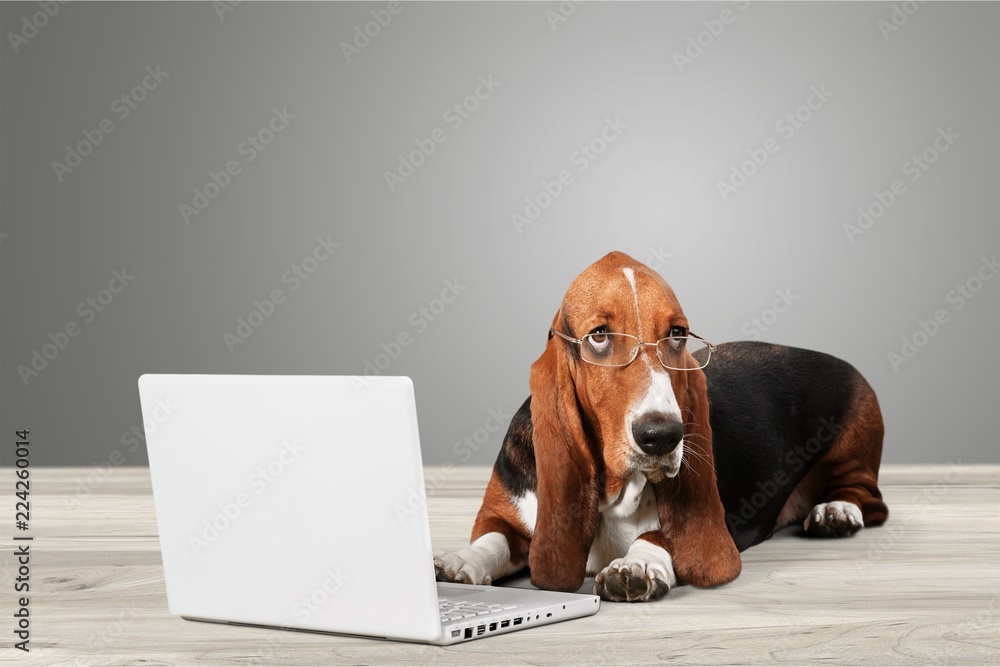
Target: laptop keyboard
456 610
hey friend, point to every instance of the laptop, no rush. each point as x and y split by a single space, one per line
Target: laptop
298 502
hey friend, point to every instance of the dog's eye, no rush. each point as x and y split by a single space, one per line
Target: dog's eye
676 337
598 340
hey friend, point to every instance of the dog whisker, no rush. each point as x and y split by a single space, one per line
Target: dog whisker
690 467
694 450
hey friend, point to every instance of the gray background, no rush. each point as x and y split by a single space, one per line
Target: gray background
653 188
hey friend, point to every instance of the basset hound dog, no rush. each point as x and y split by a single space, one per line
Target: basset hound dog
650 458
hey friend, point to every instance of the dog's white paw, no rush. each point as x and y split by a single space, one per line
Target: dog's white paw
837 518
645 573
449 566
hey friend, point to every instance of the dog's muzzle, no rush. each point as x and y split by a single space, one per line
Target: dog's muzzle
660 468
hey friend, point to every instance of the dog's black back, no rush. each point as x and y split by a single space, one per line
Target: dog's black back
775 412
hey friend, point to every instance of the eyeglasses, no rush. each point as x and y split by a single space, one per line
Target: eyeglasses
678 353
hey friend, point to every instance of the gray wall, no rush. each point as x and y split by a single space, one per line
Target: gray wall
653 192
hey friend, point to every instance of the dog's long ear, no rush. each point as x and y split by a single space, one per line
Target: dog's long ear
691 513
568 482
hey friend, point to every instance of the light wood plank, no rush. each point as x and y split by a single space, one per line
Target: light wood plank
923 589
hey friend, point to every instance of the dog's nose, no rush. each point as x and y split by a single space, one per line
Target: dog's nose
657 434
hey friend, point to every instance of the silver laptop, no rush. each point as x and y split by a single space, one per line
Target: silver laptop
297 502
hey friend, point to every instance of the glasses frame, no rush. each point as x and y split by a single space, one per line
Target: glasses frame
635 350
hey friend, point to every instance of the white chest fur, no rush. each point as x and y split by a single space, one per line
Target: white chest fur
623 518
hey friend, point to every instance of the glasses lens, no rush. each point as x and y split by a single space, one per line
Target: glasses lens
683 353
608 349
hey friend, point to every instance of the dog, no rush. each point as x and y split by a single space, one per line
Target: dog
631 463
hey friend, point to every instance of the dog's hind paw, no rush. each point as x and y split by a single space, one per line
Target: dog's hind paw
836 518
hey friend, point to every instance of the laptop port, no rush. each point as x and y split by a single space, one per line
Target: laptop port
480 630
517 621
468 633
548 614
455 633
493 626
504 624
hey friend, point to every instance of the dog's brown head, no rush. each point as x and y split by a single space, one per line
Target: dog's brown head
618 391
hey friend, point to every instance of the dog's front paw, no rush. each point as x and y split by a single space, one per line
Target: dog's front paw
837 518
635 579
449 566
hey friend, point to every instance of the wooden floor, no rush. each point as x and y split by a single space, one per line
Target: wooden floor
922 589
